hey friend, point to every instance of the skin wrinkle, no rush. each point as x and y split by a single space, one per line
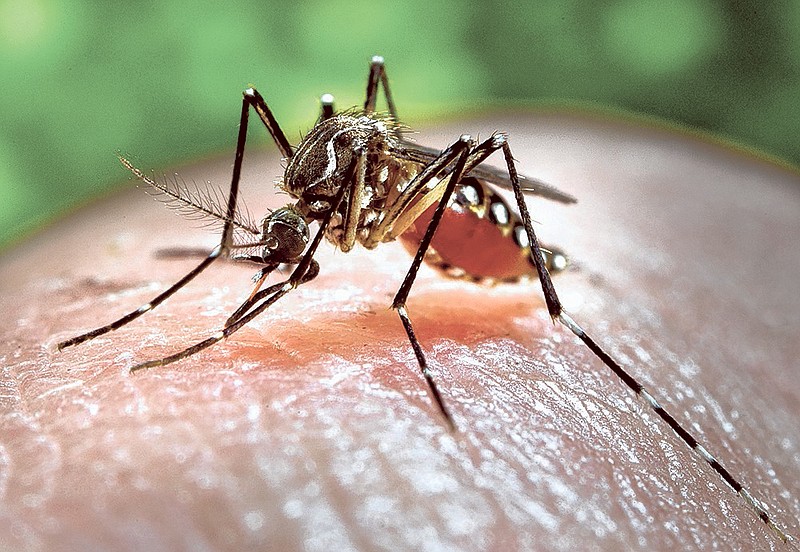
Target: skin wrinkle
196 453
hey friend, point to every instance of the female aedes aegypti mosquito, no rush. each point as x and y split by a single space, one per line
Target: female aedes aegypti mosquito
363 183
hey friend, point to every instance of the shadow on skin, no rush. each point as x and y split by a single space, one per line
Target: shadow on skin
311 428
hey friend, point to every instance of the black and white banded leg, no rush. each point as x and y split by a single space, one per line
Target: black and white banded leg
461 152
557 312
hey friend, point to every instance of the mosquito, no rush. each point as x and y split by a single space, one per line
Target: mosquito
362 182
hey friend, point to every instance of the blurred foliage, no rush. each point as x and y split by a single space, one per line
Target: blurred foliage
162 80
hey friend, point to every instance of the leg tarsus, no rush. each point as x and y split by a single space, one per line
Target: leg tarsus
147 307
256 295
423 365
550 295
558 314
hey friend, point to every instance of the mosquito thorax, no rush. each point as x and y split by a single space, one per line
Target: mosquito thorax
285 235
318 169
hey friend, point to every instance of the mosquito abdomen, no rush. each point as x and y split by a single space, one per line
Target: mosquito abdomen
480 238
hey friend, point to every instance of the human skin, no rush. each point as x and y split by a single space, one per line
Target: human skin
311 428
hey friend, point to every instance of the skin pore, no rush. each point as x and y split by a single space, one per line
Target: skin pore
311 427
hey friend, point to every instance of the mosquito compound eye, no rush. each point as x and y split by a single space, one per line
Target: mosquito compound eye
285 235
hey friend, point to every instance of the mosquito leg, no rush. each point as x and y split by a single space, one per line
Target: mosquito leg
305 271
277 291
462 147
256 295
246 312
180 253
557 313
254 99
327 108
133 315
219 251
417 189
377 75
251 97
259 279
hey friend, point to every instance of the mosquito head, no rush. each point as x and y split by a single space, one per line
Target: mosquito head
319 167
285 235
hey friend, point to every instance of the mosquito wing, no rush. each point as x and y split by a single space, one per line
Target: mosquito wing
424 154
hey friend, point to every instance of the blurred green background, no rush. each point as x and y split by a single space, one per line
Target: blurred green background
162 80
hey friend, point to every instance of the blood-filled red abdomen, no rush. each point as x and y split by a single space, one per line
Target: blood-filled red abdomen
465 242
479 237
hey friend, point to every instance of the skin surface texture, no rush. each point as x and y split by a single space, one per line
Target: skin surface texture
311 429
